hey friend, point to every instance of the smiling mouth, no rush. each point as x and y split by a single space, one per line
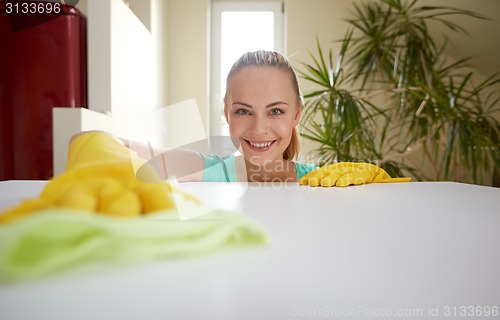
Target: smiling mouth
260 146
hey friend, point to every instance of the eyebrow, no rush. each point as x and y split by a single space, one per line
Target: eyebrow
250 106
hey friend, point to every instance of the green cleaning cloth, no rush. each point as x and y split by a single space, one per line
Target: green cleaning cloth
57 239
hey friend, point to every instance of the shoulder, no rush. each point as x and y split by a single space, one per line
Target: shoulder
212 160
218 169
303 168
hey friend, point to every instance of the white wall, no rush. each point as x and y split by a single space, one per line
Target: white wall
122 77
483 41
188 53
121 60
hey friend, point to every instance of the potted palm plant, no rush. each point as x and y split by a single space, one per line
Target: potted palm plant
392 98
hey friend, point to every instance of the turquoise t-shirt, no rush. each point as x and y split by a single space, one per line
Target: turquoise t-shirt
223 169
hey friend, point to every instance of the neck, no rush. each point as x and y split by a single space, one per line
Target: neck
273 171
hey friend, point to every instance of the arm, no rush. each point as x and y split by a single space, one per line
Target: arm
184 165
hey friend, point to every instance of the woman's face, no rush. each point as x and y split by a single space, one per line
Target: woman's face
262 110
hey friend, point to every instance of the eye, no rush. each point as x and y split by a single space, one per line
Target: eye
276 112
242 112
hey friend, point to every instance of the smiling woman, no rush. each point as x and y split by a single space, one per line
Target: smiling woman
262 106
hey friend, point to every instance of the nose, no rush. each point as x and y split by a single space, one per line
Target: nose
260 125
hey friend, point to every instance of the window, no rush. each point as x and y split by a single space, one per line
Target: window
238 27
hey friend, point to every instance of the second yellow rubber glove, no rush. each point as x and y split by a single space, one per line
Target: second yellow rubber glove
344 174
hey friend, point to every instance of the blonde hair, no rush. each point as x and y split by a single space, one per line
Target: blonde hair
278 61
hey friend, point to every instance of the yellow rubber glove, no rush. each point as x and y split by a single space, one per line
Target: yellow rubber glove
344 174
101 177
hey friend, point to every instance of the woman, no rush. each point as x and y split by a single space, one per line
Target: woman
262 106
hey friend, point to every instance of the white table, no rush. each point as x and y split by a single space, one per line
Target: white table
414 250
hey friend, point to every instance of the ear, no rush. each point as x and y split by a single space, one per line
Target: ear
297 115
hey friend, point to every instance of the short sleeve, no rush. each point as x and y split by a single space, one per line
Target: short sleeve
304 168
218 169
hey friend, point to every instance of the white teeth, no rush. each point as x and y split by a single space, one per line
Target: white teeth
260 145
